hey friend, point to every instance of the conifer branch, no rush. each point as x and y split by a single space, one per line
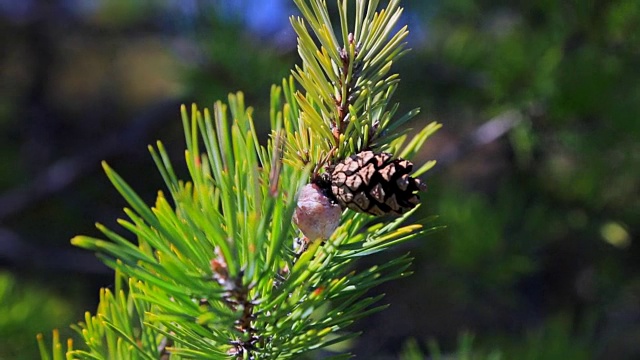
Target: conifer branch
212 269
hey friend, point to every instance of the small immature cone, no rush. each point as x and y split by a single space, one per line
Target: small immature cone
316 215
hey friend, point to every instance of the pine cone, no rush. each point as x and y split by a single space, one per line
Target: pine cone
375 184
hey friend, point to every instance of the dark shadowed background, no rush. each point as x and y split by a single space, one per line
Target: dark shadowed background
537 181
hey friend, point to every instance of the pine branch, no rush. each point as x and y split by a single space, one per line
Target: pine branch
252 257
348 87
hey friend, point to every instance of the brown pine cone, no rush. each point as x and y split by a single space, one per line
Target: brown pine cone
375 184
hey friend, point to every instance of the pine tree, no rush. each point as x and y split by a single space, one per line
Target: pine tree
252 257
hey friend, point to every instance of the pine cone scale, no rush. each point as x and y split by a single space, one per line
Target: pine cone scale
387 173
367 172
377 193
354 182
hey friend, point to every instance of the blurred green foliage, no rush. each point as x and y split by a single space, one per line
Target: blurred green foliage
539 258
465 350
27 309
543 224
549 342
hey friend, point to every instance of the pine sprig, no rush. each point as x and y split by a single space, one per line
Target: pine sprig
347 86
173 261
211 267
222 215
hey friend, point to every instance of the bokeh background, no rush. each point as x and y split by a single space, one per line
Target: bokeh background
537 180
